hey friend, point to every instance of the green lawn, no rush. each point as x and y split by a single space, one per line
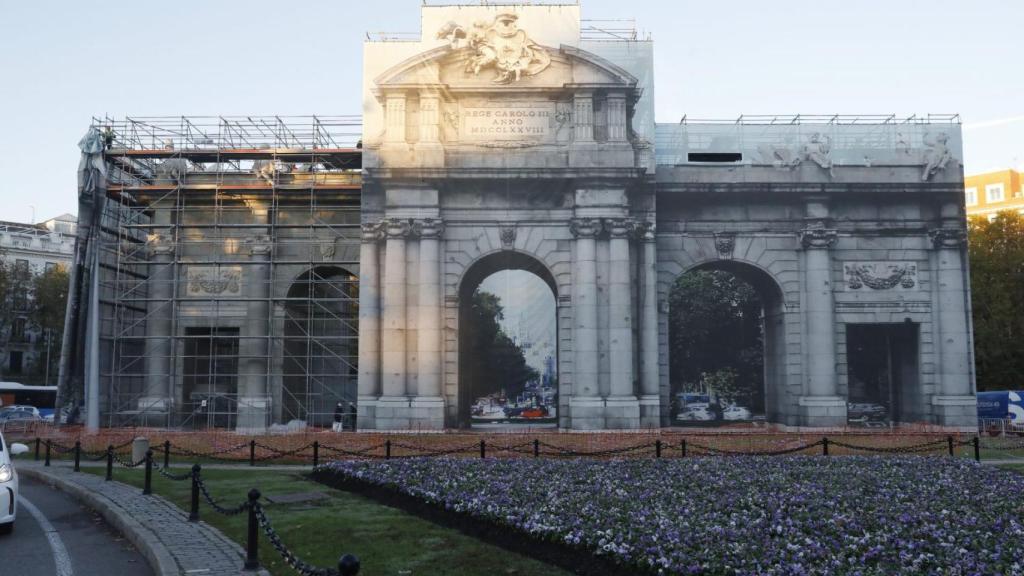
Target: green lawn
386 540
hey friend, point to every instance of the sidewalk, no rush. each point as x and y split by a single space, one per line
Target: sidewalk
172 545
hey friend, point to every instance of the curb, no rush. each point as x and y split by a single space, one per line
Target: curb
155 552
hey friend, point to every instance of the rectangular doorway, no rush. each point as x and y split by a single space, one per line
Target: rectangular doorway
211 376
883 385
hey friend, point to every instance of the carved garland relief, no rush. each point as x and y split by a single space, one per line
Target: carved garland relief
214 280
881 275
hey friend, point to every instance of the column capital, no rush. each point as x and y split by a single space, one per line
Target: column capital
372 232
947 237
396 228
585 227
428 228
646 230
259 244
818 238
160 244
620 227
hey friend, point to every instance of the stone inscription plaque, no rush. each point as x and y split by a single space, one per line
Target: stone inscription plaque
507 122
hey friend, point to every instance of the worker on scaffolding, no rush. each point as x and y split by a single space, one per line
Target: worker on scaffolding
339 415
108 137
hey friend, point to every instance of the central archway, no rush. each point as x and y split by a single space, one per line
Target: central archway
508 356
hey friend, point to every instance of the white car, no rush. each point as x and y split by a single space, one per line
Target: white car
734 412
697 411
8 484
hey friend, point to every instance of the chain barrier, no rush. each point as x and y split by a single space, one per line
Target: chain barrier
215 455
363 453
275 453
213 503
128 463
472 448
554 450
780 452
170 476
289 557
922 447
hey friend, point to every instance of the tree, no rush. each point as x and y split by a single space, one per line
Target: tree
15 298
49 303
716 336
996 252
496 363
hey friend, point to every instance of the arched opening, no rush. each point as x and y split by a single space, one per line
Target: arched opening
320 345
726 346
508 346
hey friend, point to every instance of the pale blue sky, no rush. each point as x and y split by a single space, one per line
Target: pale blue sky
62 62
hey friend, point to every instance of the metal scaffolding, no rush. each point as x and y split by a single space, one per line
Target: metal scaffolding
229 255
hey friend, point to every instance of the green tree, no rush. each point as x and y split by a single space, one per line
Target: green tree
997 296
15 298
49 303
496 363
716 336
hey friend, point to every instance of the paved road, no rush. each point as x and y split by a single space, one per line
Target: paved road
69 540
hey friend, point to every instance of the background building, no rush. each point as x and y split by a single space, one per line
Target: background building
988 193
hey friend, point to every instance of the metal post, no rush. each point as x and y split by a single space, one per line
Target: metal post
316 453
167 453
252 555
148 486
92 361
47 462
483 449
977 449
37 448
348 565
193 514
682 447
657 448
387 449
78 455
949 442
824 446
252 452
110 463
536 448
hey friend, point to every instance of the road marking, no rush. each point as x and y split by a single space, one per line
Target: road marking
60 553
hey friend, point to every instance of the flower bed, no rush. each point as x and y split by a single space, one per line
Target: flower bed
756 515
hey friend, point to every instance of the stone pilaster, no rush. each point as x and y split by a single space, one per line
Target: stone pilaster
586 407
650 400
622 408
429 151
617 131
428 405
583 117
369 325
955 405
820 405
392 407
394 112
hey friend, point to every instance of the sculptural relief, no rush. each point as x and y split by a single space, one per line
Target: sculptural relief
936 155
880 275
500 45
214 280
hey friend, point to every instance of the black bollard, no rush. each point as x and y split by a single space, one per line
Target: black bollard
824 446
252 452
193 514
977 449
348 565
148 486
387 449
483 449
37 449
316 453
167 454
252 553
949 443
110 463
78 455
536 448
682 447
657 448
47 462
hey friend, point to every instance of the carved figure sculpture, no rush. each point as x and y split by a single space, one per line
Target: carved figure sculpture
173 169
936 156
500 44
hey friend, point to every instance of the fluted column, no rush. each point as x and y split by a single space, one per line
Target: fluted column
394 118
587 409
393 351
428 406
955 404
369 324
650 376
620 321
617 117
583 117
821 404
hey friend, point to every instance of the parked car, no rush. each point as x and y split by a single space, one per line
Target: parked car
8 484
866 414
699 411
19 412
734 412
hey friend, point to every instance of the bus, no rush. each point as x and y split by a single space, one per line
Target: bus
42 397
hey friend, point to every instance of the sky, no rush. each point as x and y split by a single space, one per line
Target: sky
61 63
529 312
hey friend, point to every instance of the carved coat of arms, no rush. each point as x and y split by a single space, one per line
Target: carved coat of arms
500 45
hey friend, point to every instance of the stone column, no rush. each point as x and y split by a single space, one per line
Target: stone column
955 405
622 409
156 402
428 406
254 349
650 374
369 325
392 408
586 408
820 405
